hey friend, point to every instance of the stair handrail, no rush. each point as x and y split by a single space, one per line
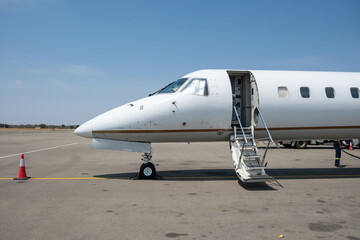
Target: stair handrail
242 129
267 130
242 152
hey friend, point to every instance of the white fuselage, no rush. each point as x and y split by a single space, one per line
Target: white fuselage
185 117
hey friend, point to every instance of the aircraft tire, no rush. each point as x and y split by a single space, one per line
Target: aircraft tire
300 144
287 145
147 171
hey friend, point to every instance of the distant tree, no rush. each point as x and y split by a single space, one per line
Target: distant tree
63 126
7 126
42 125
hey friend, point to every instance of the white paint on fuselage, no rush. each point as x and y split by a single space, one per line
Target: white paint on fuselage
314 112
180 117
179 112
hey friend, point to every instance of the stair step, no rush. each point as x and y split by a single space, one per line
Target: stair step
242 137
251 157
254 168
249 146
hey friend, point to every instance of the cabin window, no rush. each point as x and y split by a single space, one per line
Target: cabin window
330 92
197 86
305 92
172 87
354 92
283 92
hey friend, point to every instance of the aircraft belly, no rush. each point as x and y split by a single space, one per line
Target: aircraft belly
175 136
121 145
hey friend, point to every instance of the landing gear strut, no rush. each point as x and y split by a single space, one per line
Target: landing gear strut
147 169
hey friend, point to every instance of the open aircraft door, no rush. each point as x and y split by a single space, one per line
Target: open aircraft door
245 155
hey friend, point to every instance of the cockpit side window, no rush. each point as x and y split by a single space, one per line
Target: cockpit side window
173 87
197 86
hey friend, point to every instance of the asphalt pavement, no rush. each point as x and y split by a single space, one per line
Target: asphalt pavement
76 192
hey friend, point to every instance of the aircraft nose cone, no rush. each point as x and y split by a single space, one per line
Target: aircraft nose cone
84 130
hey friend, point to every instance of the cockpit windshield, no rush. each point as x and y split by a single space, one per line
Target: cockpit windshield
173 87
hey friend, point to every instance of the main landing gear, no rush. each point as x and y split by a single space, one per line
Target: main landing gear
147 169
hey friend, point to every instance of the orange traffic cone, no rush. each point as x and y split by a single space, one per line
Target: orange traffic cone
22 172
351 146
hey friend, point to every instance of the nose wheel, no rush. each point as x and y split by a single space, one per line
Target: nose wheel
147 171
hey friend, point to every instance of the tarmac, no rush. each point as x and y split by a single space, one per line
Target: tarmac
76 192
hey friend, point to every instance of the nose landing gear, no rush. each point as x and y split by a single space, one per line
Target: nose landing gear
147 169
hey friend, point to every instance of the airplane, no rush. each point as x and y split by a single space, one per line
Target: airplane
239 106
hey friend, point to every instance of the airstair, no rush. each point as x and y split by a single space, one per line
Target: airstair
247 161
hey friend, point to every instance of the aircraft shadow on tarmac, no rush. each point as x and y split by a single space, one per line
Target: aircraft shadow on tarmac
229 174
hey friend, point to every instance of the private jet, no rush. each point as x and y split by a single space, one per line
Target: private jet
239 106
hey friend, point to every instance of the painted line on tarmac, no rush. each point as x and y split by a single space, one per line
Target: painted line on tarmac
40 150
101 178
165 178
69 178
60 178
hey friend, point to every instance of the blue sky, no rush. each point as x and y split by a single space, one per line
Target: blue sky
66 61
